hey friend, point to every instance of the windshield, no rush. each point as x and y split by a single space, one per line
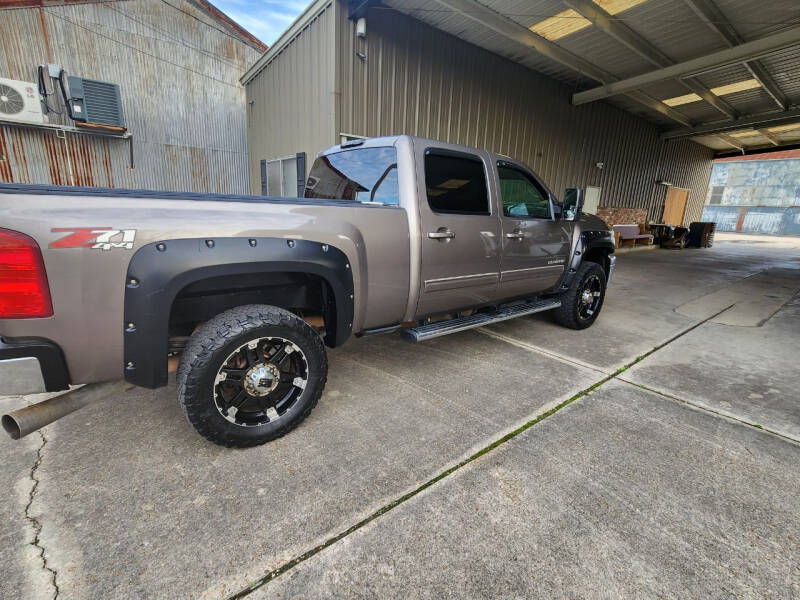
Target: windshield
358 175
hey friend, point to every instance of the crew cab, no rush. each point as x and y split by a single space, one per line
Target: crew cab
242 293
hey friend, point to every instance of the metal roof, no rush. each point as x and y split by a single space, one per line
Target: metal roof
644 39
204 5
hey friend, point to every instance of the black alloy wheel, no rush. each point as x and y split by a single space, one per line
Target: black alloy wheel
590 297
260 381
582 302
251 374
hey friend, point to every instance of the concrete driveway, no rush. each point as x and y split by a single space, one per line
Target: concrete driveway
654 455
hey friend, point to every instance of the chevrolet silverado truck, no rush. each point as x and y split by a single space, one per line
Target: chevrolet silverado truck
242 293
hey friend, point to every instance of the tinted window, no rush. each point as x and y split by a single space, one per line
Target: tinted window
456 183
360 175
522 196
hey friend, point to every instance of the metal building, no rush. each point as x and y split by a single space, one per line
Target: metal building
177 65
758 193
680 81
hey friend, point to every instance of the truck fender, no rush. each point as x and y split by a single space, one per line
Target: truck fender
586 242
158 271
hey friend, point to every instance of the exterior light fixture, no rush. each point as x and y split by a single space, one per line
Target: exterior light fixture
361 28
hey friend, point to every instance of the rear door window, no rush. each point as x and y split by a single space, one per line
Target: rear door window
456 183
358 175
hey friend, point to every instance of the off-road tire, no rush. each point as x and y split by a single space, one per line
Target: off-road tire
568 314
206 352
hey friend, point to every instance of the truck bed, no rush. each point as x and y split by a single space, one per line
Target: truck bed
62 190
88 283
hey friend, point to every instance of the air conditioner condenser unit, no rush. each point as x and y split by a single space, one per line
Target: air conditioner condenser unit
96 102
20 102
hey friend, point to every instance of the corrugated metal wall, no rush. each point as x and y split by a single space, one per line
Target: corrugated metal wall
420 81
178 72
686 165
293 99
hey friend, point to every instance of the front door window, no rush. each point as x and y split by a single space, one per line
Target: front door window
534 244
522 197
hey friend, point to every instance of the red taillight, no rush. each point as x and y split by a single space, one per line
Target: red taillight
24 292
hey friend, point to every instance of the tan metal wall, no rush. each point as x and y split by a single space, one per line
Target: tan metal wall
686 165
178 73
420 81
292 98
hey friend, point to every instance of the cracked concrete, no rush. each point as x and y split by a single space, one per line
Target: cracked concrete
620 492
34 520
455 470
23 574
556 513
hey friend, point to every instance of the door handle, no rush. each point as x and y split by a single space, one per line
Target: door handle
441 234
516 235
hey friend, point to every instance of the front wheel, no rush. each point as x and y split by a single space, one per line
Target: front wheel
582 302
251 374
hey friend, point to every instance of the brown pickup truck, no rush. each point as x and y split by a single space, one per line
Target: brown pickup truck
240 292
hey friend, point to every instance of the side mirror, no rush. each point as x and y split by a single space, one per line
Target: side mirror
573 204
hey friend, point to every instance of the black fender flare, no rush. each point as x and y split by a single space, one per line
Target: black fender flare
587 240
158 271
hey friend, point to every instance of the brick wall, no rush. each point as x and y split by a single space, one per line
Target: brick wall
617 215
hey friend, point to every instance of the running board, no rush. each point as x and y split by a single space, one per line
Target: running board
503 313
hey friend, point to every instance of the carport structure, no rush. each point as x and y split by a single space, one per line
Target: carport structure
724 73
628 97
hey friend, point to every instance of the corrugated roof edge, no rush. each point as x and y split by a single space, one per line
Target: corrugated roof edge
776 155
308 15
211 10
248 38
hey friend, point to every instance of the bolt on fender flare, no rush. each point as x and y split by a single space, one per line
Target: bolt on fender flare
158 271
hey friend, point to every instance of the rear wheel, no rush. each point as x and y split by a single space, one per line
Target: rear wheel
581 303
250 375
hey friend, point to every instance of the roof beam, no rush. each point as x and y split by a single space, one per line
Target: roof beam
659 107
696 66
730 141
715 101
770 136
619 31
712 16
512 30
764 120
627 36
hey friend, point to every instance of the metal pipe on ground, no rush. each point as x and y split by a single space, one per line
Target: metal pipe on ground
23 421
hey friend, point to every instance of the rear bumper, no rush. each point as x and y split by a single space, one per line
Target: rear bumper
612 264
31 365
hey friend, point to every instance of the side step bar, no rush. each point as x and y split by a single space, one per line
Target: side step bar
502 313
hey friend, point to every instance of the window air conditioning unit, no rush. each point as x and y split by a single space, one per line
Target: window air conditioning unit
20 102
96 102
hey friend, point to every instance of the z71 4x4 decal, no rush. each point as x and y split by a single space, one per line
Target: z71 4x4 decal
97 238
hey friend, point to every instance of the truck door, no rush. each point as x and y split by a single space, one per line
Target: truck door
534 244
460 231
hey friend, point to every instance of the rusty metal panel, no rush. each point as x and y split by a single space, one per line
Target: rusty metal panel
178 71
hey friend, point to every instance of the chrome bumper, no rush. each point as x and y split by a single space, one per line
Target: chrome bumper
612 263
